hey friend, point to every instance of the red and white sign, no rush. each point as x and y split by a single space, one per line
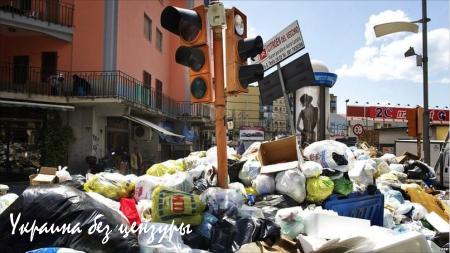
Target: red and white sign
286 43
251 134
358 129
380 113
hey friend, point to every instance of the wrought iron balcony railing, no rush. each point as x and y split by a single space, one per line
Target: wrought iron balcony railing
53 11
95 84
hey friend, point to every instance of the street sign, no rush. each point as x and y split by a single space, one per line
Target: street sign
358 129
296 74
286 43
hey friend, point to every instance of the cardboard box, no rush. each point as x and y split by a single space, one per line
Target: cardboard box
279 151
47 175
279 167
405 157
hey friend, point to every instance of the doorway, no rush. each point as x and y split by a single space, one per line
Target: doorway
48 65
21 65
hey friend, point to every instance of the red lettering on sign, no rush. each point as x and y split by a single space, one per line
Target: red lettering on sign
178 204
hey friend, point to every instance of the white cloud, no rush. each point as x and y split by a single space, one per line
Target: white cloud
383 58
445 80
251 33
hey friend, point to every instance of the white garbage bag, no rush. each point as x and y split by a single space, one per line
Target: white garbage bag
264 184
6 200
397 167
291 183
290 221
211 155
63 174
361 173
145 184
389 158
250 170
311 169
251 151
330 154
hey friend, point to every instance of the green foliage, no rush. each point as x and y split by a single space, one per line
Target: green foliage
55 142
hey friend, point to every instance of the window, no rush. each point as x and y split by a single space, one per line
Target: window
147 27
159 94
159 39
147 80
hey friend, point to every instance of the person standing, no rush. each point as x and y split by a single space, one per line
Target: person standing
309 115
136 161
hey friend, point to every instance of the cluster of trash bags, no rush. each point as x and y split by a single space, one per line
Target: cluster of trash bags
177 207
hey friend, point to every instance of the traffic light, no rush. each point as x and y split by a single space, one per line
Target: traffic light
192 28
239 48
415 120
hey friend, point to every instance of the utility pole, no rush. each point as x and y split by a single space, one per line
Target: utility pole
426 113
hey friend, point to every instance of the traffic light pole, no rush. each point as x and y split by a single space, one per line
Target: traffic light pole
222 166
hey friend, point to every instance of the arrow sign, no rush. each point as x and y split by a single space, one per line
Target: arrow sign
296 74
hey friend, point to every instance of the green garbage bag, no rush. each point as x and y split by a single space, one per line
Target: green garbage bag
180 207
318 188
343 186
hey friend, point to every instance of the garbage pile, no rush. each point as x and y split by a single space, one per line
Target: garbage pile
339 198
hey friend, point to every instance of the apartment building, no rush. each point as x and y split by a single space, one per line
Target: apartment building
106 68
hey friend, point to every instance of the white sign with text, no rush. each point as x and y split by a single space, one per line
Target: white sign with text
281 46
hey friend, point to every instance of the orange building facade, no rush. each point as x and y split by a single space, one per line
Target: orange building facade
107 68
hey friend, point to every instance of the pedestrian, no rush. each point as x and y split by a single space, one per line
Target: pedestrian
136 161
241 148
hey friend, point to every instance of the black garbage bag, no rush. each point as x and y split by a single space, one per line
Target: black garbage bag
196 241
58 205
77 182
441 240
229 237
418 170
200 185
233 170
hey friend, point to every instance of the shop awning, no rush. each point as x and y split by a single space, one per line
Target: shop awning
37 105
151 125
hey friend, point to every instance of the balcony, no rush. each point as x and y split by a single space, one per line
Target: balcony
51 17
75 86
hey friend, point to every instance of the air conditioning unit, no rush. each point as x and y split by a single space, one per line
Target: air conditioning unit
142 133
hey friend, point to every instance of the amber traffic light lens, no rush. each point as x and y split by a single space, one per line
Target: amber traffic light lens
198 88
191 57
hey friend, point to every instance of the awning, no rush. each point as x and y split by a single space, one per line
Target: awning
151 125
37 105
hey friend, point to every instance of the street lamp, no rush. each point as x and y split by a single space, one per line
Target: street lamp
394 27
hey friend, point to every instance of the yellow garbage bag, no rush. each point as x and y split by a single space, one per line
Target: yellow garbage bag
111 185
180 207
318 188
167 167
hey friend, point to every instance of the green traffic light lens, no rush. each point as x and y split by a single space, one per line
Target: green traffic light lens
198 88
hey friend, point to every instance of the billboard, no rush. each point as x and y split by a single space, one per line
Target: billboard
307 113
251 134
383 113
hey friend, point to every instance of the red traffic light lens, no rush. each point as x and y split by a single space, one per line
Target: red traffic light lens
198 88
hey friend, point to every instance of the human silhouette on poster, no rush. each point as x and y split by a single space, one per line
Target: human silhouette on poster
307 119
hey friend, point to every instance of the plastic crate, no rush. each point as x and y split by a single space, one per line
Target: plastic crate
363 206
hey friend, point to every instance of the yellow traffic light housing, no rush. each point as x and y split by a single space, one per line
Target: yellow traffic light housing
415 120
192 28
239 74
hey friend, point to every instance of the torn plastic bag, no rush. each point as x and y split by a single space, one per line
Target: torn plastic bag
292 183
170 205
160 237
220 200
226 237
58 205
264 184
250 170
290 221
111 185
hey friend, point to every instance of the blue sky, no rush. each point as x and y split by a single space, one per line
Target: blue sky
340 34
